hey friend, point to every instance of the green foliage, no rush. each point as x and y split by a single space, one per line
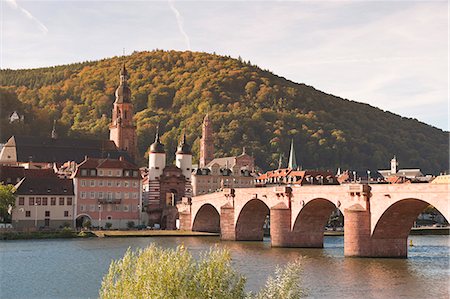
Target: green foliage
7 200
130 224
67 232
108 225
87 224
176 89
158 273
285 284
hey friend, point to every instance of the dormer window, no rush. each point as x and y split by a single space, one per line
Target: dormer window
83 172
93 172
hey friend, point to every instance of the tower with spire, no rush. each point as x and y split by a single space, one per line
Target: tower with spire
156 158
183 160
206 143
292 160
122 130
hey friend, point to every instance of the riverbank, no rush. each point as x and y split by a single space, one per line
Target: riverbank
66 234
63 234
150 233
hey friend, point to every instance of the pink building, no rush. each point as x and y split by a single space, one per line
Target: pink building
107 190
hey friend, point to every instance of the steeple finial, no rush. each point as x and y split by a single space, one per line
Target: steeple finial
292 161
54 134
157 133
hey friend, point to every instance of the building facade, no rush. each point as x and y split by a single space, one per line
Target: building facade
215 178
107 191
44 202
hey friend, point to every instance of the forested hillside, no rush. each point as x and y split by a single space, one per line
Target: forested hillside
248 106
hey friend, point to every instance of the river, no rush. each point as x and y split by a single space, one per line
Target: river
74 268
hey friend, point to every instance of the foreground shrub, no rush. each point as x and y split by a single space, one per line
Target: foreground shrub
174 273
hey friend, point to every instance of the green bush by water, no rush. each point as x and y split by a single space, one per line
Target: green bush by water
174 273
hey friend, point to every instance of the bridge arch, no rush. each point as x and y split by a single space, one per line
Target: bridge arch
207 219
398 219
251 219
310 222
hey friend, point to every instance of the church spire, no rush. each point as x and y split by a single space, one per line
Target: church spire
292 161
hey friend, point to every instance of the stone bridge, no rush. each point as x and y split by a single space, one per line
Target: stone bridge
377 218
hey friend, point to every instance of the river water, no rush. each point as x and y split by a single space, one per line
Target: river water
74 268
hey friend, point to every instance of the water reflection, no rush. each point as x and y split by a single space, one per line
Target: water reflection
74 268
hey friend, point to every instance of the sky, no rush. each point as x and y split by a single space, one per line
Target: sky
390 54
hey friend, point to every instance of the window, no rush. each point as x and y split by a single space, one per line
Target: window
109 183
31 201
66 213
126 173
109 217
44 201
109 172
83 194
135 173
118 184
100 172
100 183
81 208
135 184
92 208
118 195
69 201
125 208
83 172
38 201
110 196
83 183
93 172
126 195
21 201
53 201
92 195
116 207
118 173
92 183
100 195
61 201
135 195
47 213
126 184
27 213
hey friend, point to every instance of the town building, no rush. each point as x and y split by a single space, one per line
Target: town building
292 175
107 191
43 202
406 175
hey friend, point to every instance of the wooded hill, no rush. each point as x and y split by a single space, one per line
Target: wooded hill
248 106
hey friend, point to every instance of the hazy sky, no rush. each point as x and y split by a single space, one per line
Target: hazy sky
390 54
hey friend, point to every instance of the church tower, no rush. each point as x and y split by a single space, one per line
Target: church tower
206 143
121 130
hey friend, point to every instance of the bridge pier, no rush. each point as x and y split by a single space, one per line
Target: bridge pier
185 220
227 227
357 240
